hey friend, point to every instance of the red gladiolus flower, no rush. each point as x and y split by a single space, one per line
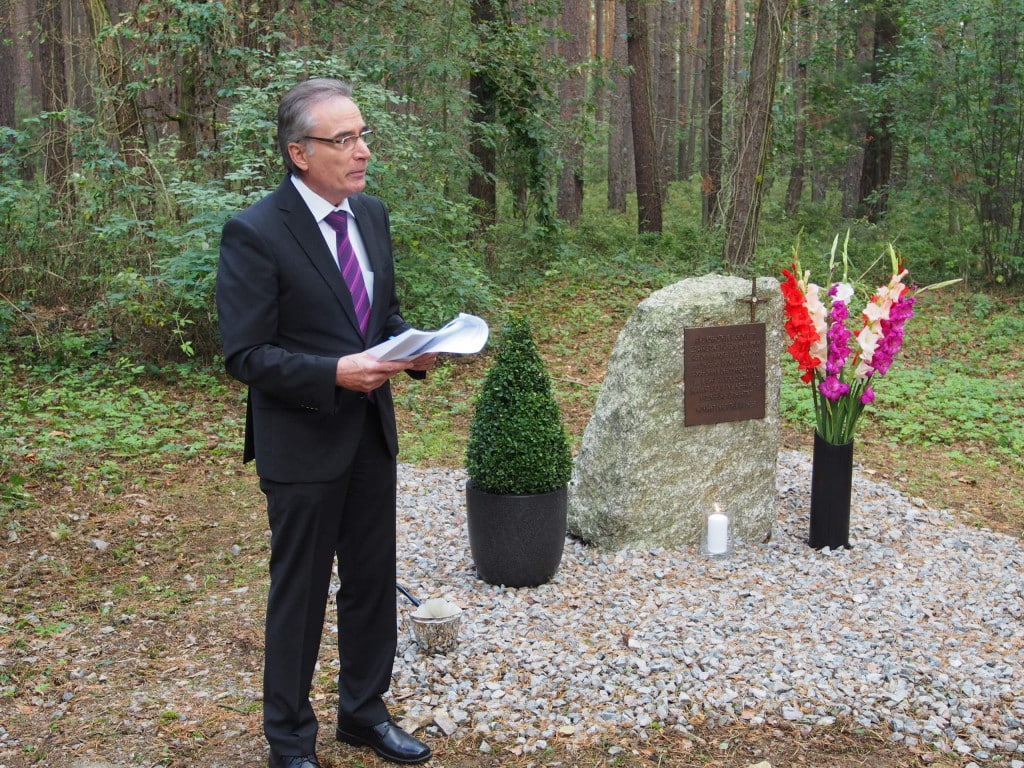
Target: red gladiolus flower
799 326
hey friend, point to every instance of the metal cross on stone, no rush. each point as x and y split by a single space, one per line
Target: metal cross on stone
753 299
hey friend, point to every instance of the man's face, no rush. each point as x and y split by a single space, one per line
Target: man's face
333 171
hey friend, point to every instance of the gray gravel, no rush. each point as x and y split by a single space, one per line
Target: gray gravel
918 630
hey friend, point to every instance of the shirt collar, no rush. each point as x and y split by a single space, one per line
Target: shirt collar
316 204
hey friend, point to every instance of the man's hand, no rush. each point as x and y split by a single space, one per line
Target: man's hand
362 372
421 363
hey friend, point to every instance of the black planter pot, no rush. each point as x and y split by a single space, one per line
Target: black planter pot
831 483
516 541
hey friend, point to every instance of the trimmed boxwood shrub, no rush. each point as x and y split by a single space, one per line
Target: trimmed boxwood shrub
517 439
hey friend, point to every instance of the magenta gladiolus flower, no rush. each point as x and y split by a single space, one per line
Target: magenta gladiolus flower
838 339
832 388
892 334
868 396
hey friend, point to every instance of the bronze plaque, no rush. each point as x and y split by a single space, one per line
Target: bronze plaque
723 373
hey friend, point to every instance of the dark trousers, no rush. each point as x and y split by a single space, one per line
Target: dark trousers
352 517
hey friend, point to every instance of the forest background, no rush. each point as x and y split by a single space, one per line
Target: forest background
556 159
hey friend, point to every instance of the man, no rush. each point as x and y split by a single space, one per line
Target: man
320 420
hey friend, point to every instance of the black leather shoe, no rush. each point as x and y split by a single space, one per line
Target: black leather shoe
297 761
387 740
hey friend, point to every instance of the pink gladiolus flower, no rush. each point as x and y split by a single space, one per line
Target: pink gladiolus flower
832 388
838 339
868 396
892 334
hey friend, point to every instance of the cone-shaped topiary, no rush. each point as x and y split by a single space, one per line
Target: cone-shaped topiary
517 440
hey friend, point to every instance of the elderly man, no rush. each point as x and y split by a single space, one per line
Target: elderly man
305 286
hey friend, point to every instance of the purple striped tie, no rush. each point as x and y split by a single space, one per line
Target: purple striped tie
350 268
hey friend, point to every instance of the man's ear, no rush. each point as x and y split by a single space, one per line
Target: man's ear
299 155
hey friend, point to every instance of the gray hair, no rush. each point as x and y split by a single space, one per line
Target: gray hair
294 120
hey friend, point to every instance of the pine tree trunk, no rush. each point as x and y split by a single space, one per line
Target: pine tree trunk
600 49
111 59
698 106
754 140
801 51
713 84
687 74
482 181
574 48
667 93
7 67
855 161
645 152
52 62
621 177
878 143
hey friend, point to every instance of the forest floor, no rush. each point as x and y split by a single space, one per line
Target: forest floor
114 656
131 628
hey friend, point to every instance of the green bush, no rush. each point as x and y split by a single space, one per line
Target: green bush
517 440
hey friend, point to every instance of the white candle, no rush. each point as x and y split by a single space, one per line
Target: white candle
718 533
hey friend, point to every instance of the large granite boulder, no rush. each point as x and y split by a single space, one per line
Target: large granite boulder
642 478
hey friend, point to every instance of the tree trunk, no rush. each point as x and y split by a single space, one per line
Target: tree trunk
713 83
878 143
57 168
754 140
667 92
482 183
645 154
125 107
855 162
801 52
687 76
188 104
1000 188
602 54
735 54
7 67
621 177
256 25
575 24
698 104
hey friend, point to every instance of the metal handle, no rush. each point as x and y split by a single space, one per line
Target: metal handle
405 592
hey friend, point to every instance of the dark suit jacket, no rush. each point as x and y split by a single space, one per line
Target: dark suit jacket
286 316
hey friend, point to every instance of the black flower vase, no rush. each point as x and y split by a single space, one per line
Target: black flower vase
831 482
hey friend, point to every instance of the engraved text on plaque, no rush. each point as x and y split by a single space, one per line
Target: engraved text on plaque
723 373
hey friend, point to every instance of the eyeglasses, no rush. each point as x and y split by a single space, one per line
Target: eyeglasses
345 142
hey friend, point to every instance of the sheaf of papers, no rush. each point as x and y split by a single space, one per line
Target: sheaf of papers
463 335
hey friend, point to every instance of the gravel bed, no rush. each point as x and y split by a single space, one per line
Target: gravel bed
918 630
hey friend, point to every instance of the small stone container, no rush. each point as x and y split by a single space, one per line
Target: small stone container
435 625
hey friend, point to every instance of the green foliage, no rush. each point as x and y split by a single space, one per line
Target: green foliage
957 89
86 424
511 55
439 272
517 440
147 241
435 408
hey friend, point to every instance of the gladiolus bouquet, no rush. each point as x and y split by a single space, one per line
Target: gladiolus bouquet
842 366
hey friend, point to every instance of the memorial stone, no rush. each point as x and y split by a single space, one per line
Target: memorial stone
656 459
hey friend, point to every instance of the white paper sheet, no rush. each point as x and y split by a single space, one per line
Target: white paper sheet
463 335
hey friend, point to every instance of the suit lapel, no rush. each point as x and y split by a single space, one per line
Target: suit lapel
306 231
